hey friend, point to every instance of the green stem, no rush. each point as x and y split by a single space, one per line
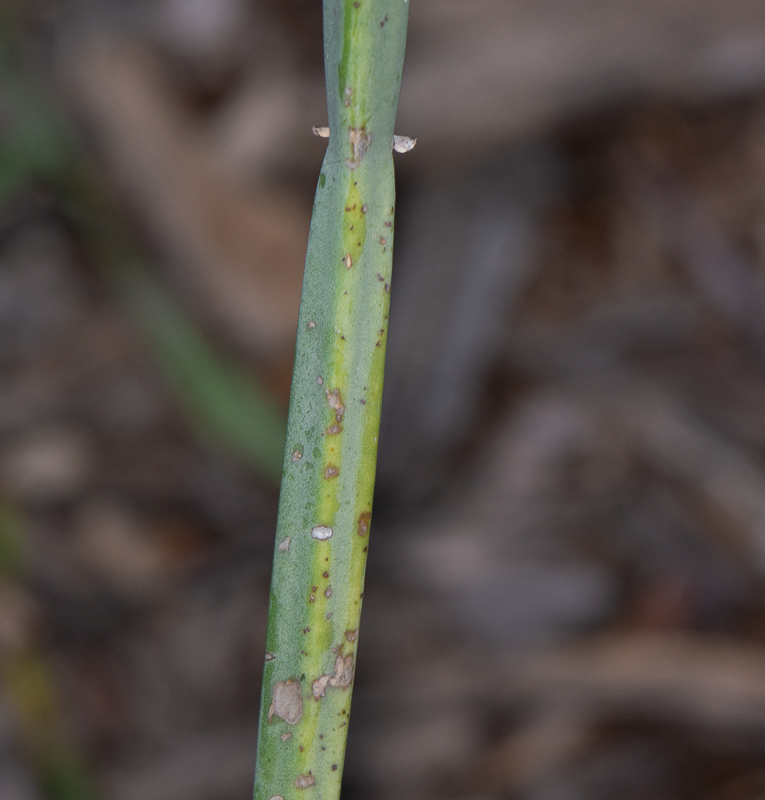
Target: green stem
329 468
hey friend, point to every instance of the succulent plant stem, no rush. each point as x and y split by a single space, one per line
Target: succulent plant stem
325 506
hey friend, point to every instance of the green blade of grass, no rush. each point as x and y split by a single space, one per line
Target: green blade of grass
223 404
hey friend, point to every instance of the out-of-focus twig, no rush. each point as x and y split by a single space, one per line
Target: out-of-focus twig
238 249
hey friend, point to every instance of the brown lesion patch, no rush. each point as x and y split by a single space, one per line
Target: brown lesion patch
319 686
335 402
342 678
304 781
333 430
360 140
330 472
363 525
351 636
286 702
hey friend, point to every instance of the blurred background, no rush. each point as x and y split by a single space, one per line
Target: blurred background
565 596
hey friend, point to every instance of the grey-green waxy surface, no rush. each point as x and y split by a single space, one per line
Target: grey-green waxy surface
325 506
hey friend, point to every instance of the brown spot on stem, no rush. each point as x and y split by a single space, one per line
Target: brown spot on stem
360 141
351 636
328 592
363 525
319 686
382 240
304 781
286 702
270 657
336 403
285 737
311 325
388 224
284 545
331 472
296 456
364 208
321 533
348 261
333 430
343 676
